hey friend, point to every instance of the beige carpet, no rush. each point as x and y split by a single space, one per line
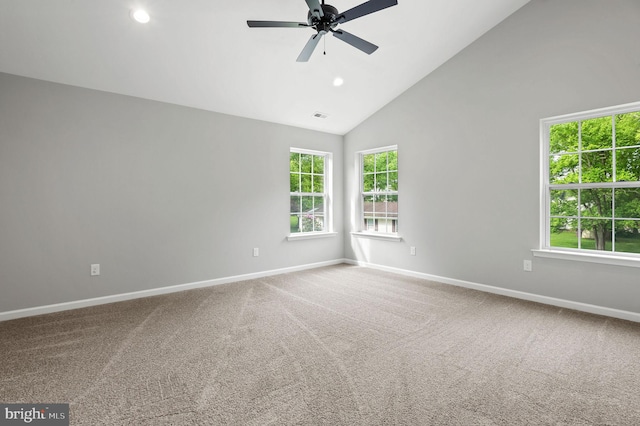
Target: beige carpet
339 345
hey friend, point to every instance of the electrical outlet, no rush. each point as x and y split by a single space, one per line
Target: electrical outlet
95 269
413 251
256 252
527 266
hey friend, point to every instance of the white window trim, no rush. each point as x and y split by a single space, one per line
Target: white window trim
361 233
310 235
377 235
328 187
581 256
545 250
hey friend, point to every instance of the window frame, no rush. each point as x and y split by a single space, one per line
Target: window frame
580 254
361 230
327 195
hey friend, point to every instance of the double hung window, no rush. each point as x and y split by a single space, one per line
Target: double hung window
591 182
379 190
310 197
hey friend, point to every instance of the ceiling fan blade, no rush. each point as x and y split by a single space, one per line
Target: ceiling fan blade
356 42
315 8
365 9
309 48
276 24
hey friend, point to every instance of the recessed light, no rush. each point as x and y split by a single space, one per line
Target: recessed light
140 15
338 81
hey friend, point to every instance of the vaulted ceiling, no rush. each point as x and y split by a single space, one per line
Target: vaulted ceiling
202 54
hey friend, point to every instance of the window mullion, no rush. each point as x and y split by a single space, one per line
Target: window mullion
579 157
613 148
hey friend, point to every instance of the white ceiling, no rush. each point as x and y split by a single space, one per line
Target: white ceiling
202 54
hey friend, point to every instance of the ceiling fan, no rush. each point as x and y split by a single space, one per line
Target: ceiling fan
324 19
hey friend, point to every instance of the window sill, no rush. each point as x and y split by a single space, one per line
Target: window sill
375 236
588 257
310 235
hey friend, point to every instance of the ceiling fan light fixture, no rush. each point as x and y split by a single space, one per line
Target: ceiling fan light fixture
140 15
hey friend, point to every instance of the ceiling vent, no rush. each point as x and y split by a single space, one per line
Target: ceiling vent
318 114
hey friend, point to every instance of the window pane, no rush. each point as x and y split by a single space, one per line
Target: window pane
392 206
295 204
597 167
563 202
318 205
306 204
318 183
628 236
381 181
369 225
627 203
563 169
294 182
311 223
596 202
383 206
305 163
564 233
385 213
563 138
318 164
368 205
393 181
628 129
368 182
596 234
597 133
318 223
368 163
628 164
294 162
306 183
312 217
393 160
381 161
294 223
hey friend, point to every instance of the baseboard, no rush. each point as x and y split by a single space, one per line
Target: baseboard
47 309
578 306
562 303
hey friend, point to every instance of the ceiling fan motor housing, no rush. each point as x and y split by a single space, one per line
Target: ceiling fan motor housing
327 21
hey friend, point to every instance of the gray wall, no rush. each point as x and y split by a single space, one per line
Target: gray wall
158 194
468 142
161 195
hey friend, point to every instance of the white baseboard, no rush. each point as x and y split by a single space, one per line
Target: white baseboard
578 306
569 304
47 309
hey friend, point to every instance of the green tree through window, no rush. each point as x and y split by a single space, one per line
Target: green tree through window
380 190
593 183
308 191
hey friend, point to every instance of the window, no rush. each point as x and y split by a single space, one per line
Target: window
591 182
379 190
310 185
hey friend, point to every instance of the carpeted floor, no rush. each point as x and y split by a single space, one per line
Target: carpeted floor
340 345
